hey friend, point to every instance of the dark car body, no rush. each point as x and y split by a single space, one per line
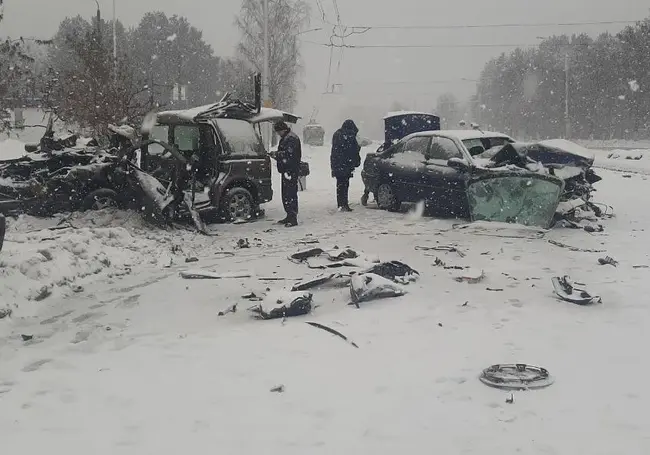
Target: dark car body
431 166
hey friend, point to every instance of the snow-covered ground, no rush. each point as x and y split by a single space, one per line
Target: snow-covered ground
139 362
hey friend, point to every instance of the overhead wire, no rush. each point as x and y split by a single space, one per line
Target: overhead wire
503 25
433 46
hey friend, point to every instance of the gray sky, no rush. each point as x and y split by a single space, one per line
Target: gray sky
369 77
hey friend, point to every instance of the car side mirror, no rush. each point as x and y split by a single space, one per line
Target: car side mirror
458 164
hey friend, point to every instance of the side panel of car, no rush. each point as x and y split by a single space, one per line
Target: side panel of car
450 184
242 161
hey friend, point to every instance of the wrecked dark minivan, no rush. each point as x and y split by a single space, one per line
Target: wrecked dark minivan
229 166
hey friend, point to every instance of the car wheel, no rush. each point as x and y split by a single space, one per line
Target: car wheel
101 199
387 199
237 204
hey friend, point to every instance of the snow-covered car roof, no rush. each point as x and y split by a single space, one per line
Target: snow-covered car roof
402 113
226 111
463 135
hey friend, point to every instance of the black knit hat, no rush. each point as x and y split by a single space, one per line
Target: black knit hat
281 126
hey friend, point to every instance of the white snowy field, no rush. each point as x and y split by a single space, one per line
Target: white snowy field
137 361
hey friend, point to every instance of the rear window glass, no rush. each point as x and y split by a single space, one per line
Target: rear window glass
240 138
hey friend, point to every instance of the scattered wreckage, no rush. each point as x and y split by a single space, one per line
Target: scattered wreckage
206 163
367 279
483 176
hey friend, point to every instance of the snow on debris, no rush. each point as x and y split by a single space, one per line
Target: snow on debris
569 146
11 149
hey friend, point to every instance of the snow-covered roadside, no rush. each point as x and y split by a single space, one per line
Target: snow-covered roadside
613 144
634 161
46 259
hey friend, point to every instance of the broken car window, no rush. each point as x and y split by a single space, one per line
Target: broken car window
522 199
475 146
240 138
443 148
187 138
161 133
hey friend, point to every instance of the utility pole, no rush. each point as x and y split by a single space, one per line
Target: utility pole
114 43
266 102
567 119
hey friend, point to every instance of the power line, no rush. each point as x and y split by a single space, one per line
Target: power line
448 81
434 46
506 25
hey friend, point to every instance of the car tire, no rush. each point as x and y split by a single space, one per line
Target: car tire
237 203
101 199
387 199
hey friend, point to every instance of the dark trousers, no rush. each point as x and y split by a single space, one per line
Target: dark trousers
290 195
342 188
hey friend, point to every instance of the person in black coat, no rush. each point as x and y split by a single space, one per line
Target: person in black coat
344 160
288 159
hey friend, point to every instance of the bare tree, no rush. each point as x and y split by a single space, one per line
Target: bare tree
16 71
286 19
85 89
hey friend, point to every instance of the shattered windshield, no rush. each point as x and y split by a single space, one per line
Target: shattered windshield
530 200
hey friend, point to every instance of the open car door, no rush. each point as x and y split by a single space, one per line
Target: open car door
158 201
514 197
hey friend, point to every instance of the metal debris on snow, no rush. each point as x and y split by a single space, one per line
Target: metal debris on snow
231 309
333 332
519 376
289 304
565 290
396 271
607 260
445 248
199 274
471 277
574 248
368 286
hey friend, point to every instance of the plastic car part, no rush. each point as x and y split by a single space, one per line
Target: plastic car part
519 376
566 291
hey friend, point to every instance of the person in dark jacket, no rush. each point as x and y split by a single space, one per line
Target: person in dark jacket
344 160
288 159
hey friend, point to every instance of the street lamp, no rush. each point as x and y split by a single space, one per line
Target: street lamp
266 72
114 42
